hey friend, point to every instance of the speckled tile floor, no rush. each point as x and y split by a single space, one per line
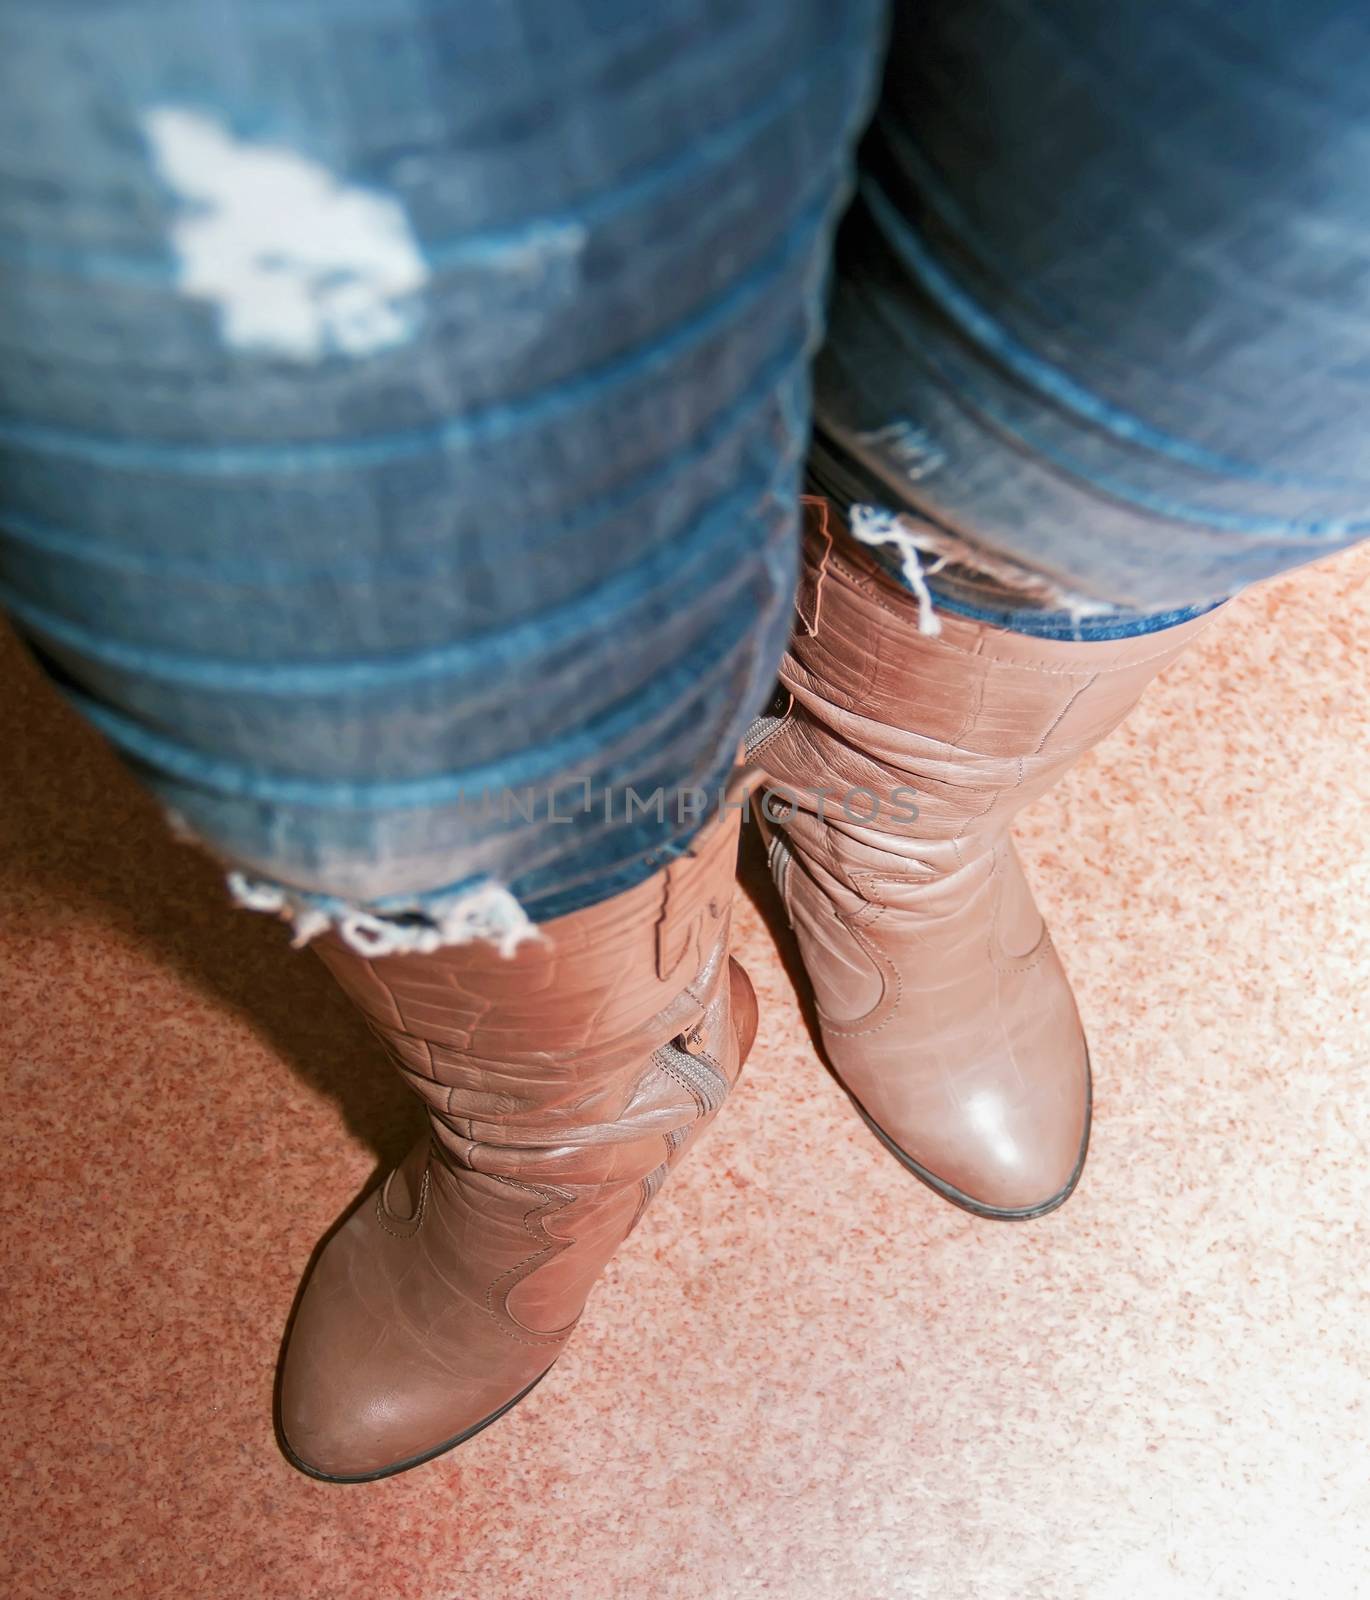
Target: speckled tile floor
803 1376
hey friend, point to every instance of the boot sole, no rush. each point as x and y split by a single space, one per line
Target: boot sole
412 1461
958 1197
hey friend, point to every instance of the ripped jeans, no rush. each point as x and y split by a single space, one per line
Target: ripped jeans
404 407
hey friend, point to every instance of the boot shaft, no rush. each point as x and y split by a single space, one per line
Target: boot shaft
967 725
570 1060
945 1009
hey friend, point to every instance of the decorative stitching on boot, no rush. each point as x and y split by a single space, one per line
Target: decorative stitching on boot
887 971
550 1249
409 1226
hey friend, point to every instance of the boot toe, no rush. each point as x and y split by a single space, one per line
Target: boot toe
347 1433
367 1436
370 1387
1004 1154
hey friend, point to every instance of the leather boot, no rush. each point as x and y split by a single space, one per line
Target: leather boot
945 1011
562 1084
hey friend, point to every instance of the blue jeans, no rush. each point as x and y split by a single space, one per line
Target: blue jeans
403 406
1101 303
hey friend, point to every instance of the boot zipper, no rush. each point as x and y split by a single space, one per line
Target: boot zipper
771 718
704 1080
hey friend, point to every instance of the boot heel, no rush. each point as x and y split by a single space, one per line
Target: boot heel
746 1013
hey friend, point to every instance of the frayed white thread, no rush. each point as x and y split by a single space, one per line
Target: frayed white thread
488 914
1078 607
913 540
871 525
253 895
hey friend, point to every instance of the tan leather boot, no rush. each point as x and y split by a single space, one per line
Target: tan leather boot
562 1084
945 1011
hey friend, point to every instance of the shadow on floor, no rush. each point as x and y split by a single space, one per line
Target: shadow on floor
74 824
754 880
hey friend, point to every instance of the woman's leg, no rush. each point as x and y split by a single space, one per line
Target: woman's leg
1096 359
401 415
402 408
1102 314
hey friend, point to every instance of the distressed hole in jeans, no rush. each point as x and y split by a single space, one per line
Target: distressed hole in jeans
481 913
298 263
924 551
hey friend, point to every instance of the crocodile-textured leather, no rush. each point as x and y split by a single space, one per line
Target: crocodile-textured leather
562 1084
945 1010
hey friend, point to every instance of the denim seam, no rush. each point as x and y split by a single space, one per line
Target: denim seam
712 149
998 345
984 414
678 685
496 421
1060 626
743 414
660 567
864 583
